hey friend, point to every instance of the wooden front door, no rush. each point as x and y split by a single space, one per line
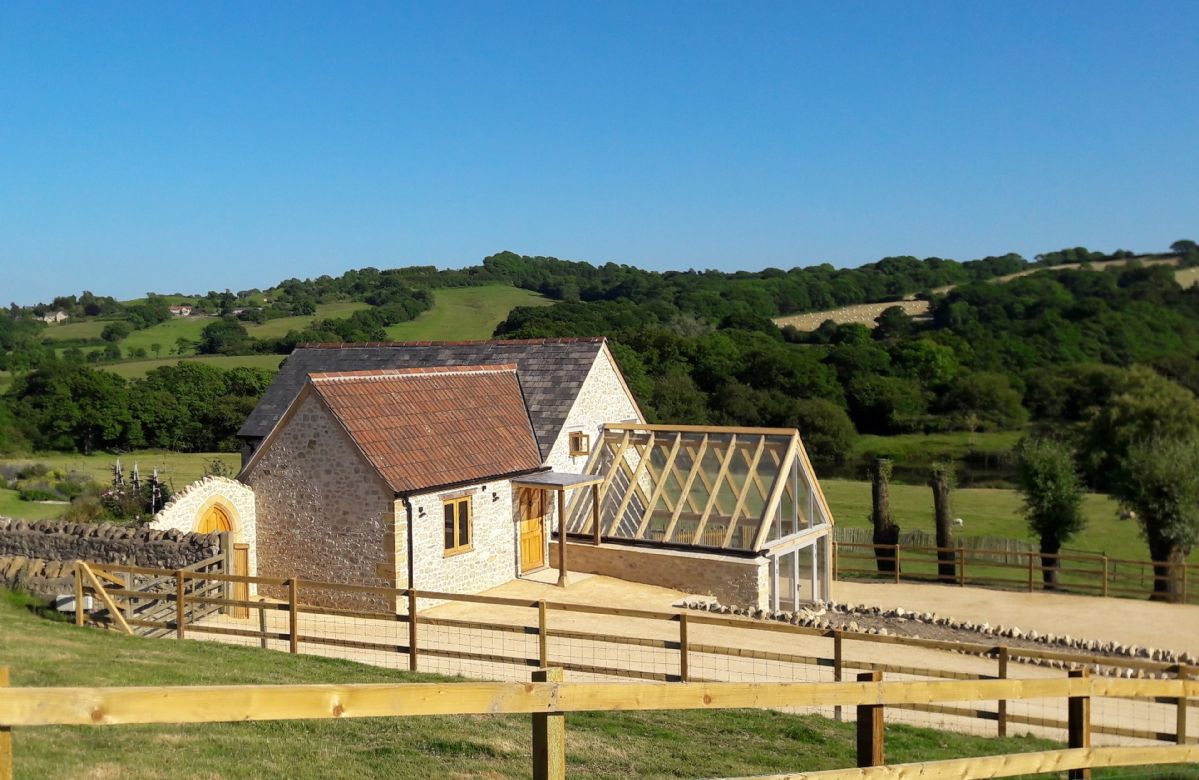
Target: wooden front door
532 529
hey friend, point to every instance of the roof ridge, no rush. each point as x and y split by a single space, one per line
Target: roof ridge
466 343
401 373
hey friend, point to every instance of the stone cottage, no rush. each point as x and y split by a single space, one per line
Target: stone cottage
424 465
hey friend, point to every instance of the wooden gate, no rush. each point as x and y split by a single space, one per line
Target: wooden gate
532 529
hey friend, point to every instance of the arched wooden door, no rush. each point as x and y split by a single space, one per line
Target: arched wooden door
215 519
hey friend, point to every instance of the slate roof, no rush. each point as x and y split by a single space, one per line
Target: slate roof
551 373
423 428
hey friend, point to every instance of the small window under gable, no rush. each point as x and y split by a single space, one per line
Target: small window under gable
458 529
580 443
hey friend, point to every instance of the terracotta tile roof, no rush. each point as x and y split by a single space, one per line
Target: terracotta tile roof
552 372
428 427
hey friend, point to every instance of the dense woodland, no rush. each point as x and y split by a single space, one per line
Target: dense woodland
1044 350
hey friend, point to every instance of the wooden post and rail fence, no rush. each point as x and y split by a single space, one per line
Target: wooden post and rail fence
548 698
1014 569
290 624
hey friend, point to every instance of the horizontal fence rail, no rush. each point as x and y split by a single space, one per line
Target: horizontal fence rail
548 697
496 638
1010 568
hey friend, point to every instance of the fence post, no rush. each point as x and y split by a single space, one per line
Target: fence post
684 662
78 595
226 567
128 580
411 630
870 727
1180 731
1030 554
5 736
262 623
1079 726
896 546
180 606
838 667
1105 576
1184 583
549 736
542 643
1002 715
293 615
961 567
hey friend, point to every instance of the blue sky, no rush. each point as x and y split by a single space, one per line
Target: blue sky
188 147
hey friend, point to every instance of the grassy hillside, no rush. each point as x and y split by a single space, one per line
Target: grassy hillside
42 652
132 369
83 329
273 329
462 313
988 512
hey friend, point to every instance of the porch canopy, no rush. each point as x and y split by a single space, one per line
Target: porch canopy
715 488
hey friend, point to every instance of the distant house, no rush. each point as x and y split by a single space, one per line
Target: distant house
181 311
55 317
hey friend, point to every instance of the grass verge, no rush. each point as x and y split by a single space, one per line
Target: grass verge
44 652
462 313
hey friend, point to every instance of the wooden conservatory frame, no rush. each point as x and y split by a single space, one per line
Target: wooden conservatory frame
735 491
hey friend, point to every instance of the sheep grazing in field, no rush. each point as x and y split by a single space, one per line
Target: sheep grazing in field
958 521
1127 514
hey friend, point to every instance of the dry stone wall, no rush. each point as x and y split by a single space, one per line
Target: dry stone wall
40 556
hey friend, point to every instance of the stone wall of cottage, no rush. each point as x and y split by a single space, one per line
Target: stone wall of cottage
728 579
322 511
189 506
490 562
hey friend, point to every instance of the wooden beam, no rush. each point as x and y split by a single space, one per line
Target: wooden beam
221 703
870 727
562 574
549 736
634 476
739 430
107 599
1078 732
659 487
1011 765
697 465
749 477
714 491
589 468
782 478
596 531
5 736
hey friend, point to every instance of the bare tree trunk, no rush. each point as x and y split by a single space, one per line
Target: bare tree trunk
1050 564
942 485
1168 560
885 530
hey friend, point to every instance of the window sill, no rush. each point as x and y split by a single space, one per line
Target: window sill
458 551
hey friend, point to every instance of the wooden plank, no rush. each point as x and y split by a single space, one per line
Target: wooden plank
1181 704
543 652
659 487
1010 765
219 703
1078 732
5 736
718 429
838 666
412 651
549 736
714 490
106 598
744 493
782 478
293 615
180 606
1002 709
684 650
697 467
870 734
634 476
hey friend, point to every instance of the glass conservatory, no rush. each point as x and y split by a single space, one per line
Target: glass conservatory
745 492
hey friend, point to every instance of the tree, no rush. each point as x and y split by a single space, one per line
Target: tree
886 532
1161 485
1052 490
224 337
990 398
941 482
894 322
156 349
1184 246
115 331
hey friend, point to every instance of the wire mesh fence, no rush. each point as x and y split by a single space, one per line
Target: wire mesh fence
503 639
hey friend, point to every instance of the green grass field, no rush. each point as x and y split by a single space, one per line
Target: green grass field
84 329
132 369
165 334
463 313
273 329
988 512
181 468
44 652
12 506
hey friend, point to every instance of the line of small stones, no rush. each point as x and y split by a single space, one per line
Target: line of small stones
816 617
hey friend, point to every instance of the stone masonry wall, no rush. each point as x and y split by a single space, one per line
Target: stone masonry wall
490 562
728 579
322 512
189 505
40 556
